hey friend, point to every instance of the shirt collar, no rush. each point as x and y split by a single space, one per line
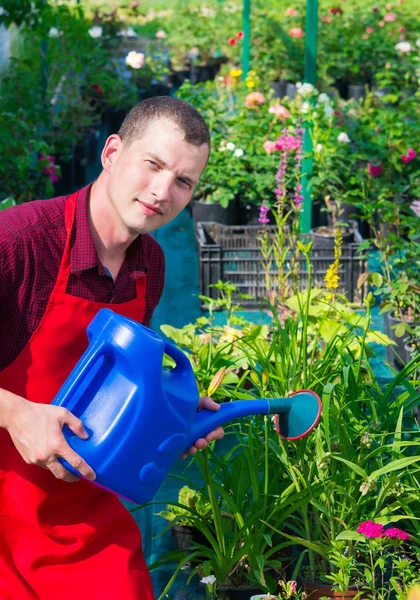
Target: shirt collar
83 251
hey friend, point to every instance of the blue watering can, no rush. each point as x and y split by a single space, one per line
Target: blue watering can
141 417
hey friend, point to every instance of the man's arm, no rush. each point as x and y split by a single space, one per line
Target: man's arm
37 433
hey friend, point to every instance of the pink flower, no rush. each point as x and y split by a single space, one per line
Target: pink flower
390 17
394 532
381 23
270 147
388 65
402 30
388 6
369 30
287 142
253 99
280 111
291 12
370 529
375 9
240 35
411 155
232 41
415 207
296 32
326 19
365 36
375 170
293 586
161 34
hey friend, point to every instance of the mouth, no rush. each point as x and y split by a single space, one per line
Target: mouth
151 208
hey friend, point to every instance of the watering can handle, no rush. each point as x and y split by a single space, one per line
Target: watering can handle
80 371
181 361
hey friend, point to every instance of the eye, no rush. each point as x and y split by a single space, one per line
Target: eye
184 182
152 162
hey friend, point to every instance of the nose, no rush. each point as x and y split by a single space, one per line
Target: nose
161 187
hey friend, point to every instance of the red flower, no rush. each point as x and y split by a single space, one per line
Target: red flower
411 155
232 41
375 170
336 11
97 88
240 35
402 29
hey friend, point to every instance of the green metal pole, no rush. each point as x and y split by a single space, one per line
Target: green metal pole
246 42
311 36
218 18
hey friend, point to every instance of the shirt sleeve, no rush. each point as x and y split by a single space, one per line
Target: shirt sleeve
10 268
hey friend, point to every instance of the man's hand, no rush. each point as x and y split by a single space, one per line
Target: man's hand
37 433
216 434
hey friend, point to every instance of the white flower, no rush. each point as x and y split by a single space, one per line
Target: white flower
127 33
238 152
328 110
323 98
404 47
95 32
343 138
208 580
54 32
230 146
304 108
415 207
134 59
305 89
318 148
160 34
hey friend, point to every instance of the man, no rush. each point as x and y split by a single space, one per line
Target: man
61 260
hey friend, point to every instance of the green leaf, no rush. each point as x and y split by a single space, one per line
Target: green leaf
352 466
377 279
400 330
268 539
351 535
395 465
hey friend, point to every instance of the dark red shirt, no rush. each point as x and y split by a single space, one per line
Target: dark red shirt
32 239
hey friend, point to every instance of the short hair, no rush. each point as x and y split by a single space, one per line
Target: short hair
185 116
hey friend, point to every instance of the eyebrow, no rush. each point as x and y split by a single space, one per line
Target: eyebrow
164 164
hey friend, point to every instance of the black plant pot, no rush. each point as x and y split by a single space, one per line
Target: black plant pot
323 238
184 536
279 88
205 73
202 211
356 92
397 356
179 76
240 593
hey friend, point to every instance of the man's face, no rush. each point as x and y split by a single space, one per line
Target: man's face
152 179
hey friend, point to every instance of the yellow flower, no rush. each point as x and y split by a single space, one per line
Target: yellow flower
236 72
250 84
252 74
332 277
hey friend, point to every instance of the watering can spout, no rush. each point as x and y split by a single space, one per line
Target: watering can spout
296 416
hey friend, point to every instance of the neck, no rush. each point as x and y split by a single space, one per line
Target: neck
110 236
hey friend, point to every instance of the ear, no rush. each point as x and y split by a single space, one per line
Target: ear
113 146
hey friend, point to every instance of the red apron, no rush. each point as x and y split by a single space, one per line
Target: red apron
58 539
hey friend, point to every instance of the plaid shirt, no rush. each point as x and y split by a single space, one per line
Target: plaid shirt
32 239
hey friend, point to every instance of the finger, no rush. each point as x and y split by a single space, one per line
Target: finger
208 403
60 472
75 424
199 444
216 434
78 463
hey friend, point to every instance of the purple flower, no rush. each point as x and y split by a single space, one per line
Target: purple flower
263 213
